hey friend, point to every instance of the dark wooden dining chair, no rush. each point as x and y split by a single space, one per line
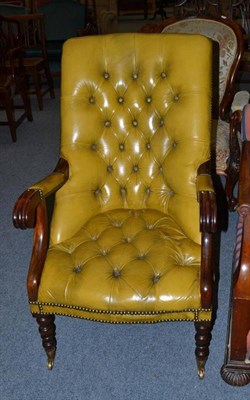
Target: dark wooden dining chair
37 69
12 77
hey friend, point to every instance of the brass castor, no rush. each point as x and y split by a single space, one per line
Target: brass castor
50 361
201 368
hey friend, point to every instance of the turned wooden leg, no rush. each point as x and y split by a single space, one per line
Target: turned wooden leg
47 331
202 341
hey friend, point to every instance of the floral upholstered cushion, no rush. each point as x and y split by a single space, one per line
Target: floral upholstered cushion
216 31
227 41
220 131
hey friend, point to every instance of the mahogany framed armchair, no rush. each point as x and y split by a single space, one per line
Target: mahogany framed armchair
135 211
236 368
227 103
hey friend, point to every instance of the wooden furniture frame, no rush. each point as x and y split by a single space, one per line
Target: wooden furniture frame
236 368
12 76
30 210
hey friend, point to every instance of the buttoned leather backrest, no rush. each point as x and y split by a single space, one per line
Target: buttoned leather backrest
135 120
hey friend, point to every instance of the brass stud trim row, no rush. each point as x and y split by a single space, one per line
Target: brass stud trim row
123 322
78 308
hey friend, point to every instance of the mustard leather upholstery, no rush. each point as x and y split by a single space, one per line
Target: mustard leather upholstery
125 244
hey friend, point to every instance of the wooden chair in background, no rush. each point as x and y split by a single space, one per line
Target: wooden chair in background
12 76
37 69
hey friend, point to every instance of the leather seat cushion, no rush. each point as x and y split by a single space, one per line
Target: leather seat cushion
139 259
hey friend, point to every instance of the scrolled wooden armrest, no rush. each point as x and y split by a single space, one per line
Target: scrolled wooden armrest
24 213
207 199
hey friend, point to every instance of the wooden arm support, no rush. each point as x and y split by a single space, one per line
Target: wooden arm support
208 215
30 211
24 213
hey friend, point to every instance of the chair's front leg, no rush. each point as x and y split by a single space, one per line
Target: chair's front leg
47 331
202 340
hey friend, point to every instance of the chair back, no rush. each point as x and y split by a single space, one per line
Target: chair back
32 34
13 8
135 127
229 37
11 62
70 17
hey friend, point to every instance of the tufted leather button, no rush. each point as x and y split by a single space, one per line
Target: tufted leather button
148 99
123 191
106 75
171 193
98 192
104 252
176 97
77 269
107 123
161 122
135 75
141 256
94 147
161 168
120 100
163 75
135 168
128 239
121 146
135 122
148 190
174 144
116 273
148 146
110 168
92 100
156 278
